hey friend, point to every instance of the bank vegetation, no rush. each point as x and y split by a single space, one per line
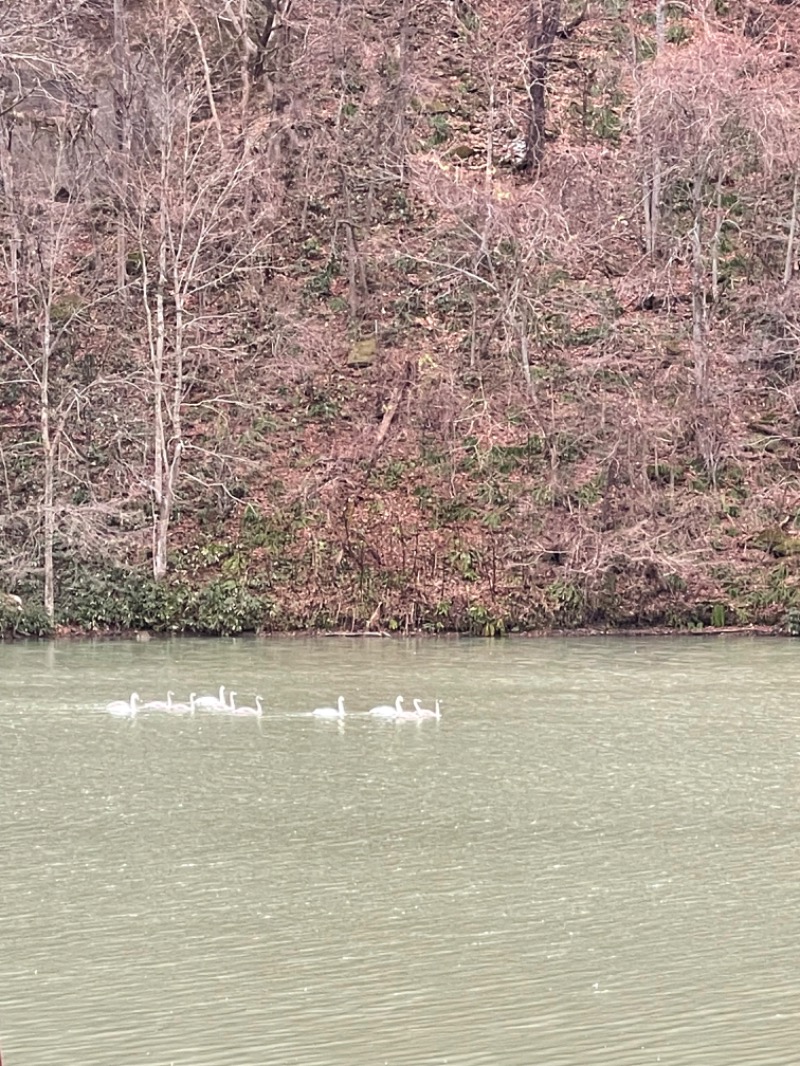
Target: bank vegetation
390 315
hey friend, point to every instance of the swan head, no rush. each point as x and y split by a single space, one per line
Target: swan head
341 706
399 704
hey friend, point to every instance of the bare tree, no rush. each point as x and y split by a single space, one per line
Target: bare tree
693 107
651 157
186 217
45 174
122 131
775 114
542 27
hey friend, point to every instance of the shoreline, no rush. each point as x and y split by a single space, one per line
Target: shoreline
68 633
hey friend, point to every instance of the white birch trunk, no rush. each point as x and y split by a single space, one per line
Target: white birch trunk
48 453
159 435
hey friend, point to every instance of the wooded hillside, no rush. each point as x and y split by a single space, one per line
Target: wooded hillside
360 314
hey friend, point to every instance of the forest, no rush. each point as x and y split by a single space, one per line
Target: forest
476 316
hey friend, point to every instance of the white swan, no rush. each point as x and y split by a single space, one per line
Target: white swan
385 710
159 705
124 708
407 716
255 712
183 708
212 703
330 712
423 712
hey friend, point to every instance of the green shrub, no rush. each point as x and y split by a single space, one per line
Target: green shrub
31 621
120 599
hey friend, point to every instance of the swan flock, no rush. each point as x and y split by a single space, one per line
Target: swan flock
224 702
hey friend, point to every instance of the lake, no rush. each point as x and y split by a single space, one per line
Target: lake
593 857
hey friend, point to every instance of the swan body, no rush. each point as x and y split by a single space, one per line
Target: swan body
386 710
330 712
124 708
212 703
253 712
159 705
408 716
423 712
183 708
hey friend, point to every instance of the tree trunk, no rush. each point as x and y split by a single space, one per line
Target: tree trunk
661 25
652 182
543 22
122 127
153 295
163 516
172 450
652 206
48 454
788 264
160 459
259 58
246 46
167 355
699 343
719 219
15 235
523 340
